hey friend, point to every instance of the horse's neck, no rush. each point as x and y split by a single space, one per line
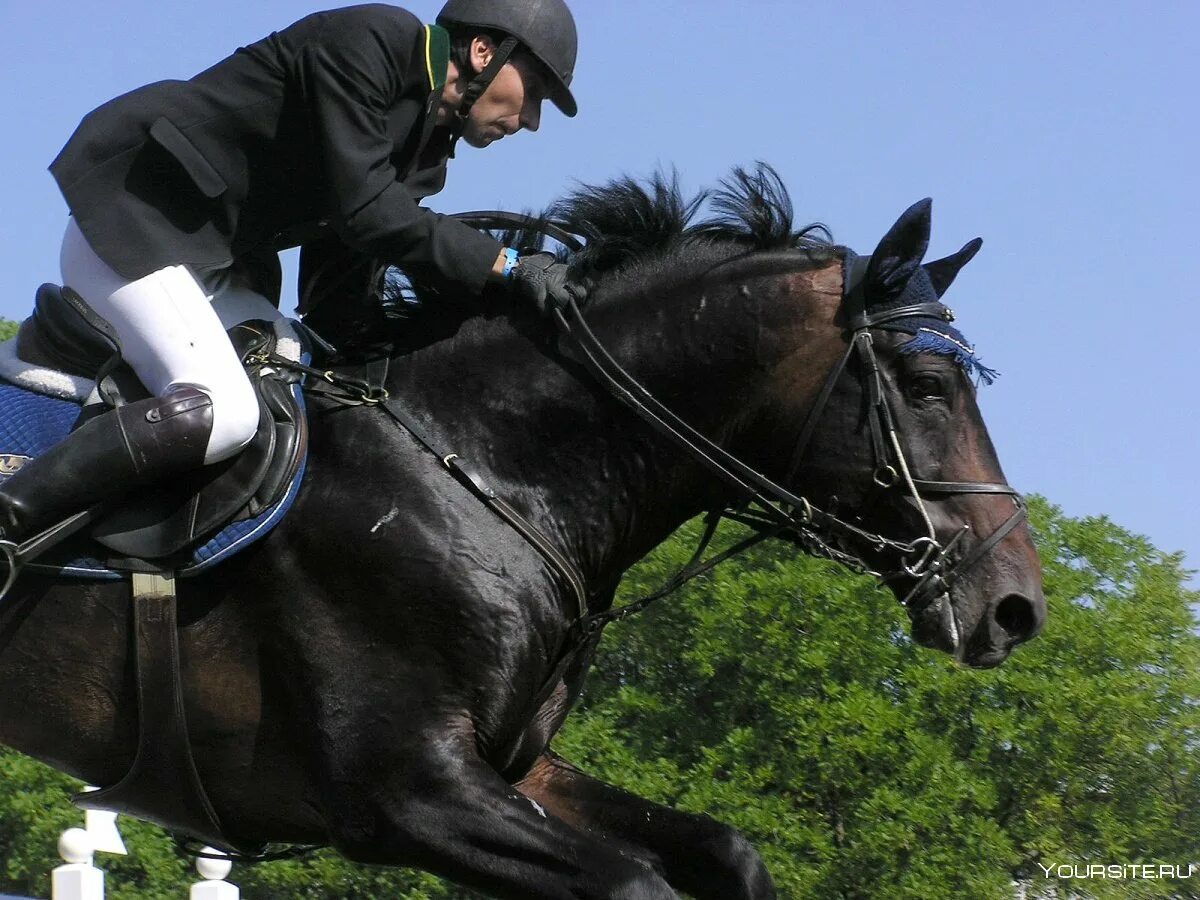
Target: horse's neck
593 476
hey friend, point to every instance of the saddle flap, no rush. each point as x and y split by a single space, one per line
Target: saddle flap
172 518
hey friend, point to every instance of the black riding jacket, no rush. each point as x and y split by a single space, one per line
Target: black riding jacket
324 127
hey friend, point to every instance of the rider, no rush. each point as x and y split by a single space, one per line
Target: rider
336 126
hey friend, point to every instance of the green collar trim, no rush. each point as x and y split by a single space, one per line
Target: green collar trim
437 55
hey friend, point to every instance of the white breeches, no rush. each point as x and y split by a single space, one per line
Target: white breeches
171 325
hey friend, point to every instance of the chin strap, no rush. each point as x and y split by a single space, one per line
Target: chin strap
478 85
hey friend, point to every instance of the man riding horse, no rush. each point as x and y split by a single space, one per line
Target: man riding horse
325 134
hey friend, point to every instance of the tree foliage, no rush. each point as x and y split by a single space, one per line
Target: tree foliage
783 696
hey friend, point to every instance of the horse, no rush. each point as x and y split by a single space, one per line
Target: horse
386 671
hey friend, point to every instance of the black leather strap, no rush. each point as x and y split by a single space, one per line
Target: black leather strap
814 414
474 480
478 85
695 566
964 487
500 220
162 785
984 547
874 320
748 484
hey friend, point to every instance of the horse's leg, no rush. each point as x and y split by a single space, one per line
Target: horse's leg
443 809
696 853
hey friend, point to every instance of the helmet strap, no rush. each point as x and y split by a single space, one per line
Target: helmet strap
478 85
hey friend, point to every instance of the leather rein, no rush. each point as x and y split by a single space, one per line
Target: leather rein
766 507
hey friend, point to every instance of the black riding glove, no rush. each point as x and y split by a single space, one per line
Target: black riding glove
543 279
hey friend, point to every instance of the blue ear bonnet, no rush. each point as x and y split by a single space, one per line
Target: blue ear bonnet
931 334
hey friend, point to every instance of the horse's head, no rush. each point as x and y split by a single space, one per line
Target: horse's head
902 460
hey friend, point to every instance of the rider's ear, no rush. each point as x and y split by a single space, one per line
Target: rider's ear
482 51
943 271
899 254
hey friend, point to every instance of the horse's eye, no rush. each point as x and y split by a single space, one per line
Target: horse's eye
924 386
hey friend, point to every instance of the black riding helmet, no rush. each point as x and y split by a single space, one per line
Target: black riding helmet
545 28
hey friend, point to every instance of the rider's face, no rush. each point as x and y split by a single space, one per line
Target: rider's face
512 101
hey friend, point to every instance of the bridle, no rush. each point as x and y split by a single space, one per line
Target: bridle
936 568
771 510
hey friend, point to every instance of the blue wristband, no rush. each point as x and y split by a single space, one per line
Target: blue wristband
511 257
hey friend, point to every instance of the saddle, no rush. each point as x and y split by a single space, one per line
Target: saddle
65 350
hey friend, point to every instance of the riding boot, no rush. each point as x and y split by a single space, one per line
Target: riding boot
107 458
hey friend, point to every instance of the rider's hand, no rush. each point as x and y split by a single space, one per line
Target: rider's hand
543 279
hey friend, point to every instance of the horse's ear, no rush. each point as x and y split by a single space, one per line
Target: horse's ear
943 271
899 254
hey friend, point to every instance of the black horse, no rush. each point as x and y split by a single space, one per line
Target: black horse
386 671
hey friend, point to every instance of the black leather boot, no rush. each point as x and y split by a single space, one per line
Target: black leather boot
107 458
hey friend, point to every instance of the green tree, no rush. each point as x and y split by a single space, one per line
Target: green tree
786 700
783 696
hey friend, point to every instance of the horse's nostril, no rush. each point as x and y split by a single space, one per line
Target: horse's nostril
1016 616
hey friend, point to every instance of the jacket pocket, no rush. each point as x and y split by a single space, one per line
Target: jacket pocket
201 171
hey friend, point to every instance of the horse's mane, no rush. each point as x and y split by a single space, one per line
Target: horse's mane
635 228
626 221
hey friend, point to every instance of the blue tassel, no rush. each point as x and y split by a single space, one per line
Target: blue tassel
930 341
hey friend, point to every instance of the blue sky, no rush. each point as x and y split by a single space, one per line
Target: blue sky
1064 134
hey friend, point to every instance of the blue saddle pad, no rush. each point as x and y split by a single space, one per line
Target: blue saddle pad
32 423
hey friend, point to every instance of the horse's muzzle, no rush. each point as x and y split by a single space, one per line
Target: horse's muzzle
1013 620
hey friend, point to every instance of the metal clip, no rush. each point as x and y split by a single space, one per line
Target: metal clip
806 511
369 395
930 561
